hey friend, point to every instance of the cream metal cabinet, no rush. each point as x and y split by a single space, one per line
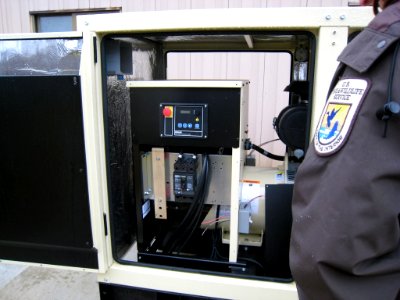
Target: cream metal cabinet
116 174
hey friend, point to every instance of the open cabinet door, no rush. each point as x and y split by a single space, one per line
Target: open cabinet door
44 202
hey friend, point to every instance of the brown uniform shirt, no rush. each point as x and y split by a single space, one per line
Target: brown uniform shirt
346 207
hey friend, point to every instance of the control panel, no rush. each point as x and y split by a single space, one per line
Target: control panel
188 113
180 120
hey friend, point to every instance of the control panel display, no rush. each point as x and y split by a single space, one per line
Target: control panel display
181 120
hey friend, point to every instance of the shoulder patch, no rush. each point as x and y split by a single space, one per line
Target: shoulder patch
338 115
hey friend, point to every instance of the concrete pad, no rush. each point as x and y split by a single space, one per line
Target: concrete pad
9 272
36 283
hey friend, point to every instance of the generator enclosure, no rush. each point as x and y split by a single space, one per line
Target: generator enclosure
111 163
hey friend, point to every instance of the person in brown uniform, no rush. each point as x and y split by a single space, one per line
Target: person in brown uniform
345 241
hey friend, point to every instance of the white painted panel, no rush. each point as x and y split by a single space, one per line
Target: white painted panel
83 4
286 3
209 4
116 3
250 66
53 5
11 24
178 66
128 5
247 3
3 20
68 4
276 78
24 17
172 4
138 5
208 65
327 3
38 5
99 3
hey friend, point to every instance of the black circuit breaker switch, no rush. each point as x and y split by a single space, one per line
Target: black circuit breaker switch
185 176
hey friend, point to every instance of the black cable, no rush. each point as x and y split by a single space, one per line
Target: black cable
267 154
193 215
214 234
246 259
196 221
263 144
253 261
172 239
201 195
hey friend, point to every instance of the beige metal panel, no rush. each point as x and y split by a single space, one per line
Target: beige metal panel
231 19
198 284
330 44
15 16
92 108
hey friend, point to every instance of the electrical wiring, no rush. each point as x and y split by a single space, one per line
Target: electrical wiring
267 154
192 219
249 145
251 200
253 261
263 144
194 224
215 220
176 236
214 223
246 259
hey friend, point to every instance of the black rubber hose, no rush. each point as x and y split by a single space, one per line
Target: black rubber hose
267 154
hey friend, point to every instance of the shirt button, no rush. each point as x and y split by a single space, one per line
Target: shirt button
381 44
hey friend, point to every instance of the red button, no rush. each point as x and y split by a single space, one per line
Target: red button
167 112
